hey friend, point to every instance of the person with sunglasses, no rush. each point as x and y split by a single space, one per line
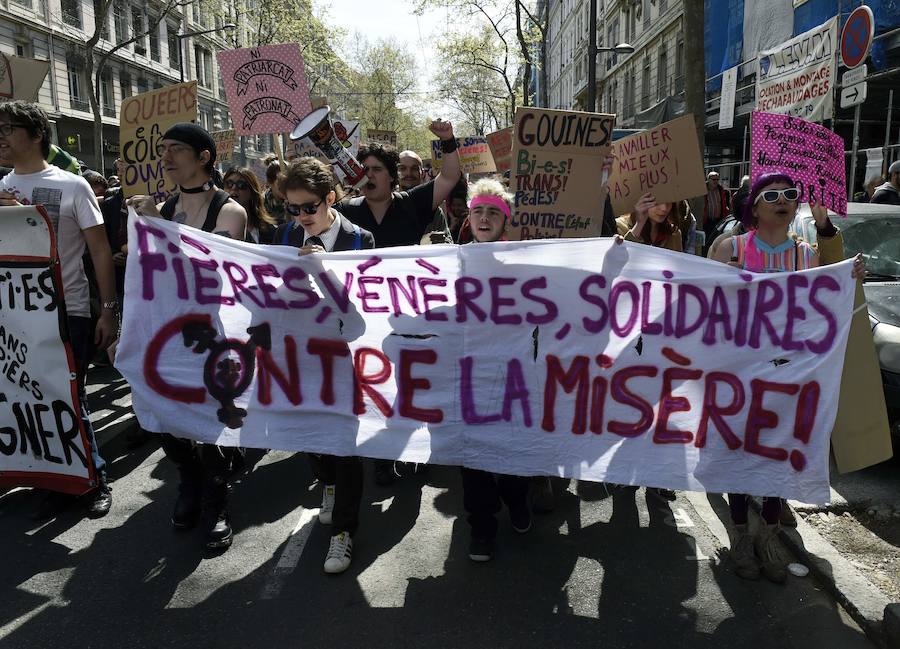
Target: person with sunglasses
769 247
309 189
243 187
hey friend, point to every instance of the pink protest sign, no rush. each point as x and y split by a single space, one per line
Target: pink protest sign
810 154
266 88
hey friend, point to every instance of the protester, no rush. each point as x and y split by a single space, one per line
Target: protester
243 187
98 183
410 175
316 227
889 192
73 209
740 195
274 199
484 493
715 206
400 218
768 247
654 223
457 208
188 154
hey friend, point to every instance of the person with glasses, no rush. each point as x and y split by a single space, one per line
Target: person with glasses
188 154
769 247
78 224
308 186
243 187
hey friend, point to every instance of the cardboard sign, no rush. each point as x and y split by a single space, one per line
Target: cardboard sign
224 145
474 155
557 164
588 359
42 440
21 78
664 161
143 120
266 88
810 154
383 137
798 77
500 143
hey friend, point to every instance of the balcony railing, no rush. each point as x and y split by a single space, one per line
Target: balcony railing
80 104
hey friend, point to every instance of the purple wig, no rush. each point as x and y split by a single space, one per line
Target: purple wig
758 187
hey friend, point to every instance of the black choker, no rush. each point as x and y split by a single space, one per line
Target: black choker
205 187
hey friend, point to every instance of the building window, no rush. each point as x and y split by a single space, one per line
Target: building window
154 39
77 87
120 20
174 46
645 84
203 66
646 12
142 85
679 65
124 85
662 73
137 27
23 3
662 7
71 13
628 102
106 94
205 118
23 50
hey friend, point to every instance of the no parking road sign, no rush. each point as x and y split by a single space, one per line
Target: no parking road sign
856 38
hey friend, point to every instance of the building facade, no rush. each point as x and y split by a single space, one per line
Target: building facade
164 53
626 84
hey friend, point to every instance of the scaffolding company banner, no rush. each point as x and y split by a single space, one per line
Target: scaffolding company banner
42 441
266 88
798 77
583 358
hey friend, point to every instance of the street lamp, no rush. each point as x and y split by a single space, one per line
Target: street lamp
593 50
181 37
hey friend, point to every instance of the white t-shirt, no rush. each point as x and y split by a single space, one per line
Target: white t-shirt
72 207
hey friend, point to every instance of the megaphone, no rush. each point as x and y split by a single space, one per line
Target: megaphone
317 127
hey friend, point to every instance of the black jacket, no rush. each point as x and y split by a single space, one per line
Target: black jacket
345 237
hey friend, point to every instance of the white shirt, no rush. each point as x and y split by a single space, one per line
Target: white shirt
72 207
329 237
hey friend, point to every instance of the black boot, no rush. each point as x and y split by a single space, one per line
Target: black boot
216 523
187 506
101 500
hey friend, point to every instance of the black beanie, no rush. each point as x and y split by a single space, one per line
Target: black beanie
194 136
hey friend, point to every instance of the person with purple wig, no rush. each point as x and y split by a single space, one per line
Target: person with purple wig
767 246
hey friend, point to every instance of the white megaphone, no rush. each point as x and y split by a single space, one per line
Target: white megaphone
317 127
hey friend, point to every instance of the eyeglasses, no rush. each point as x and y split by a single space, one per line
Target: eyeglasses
308 208
772 195
7 129
174 149
240 185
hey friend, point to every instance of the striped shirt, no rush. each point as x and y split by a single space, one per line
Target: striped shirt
756 255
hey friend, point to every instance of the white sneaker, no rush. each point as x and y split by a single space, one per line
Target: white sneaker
327 504
340 552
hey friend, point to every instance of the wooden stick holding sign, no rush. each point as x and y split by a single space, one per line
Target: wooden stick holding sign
664 161
557 163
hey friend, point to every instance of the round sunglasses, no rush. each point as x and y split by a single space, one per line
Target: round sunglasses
772 195
307 208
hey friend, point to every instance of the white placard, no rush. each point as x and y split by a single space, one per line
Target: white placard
726 105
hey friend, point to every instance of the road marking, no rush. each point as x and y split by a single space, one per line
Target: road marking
290 555
14 625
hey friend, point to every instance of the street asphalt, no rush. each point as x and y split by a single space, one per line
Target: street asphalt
610 567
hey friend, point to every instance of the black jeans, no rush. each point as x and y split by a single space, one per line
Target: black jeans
483 494
346 474
81 338
204 468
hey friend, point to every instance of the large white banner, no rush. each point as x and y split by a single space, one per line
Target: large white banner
42 442
798 77
581 358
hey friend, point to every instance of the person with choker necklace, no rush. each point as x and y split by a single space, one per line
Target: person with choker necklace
308 186
188 156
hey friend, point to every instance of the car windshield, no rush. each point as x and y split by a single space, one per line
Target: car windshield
878 239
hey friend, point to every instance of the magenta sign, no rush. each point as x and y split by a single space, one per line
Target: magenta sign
810 154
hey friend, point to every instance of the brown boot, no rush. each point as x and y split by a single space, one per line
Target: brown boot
745 564
768 550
